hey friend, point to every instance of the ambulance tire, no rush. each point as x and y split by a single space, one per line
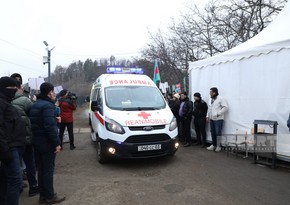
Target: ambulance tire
101 157
94 137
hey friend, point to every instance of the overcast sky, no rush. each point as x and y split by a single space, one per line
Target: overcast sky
78 30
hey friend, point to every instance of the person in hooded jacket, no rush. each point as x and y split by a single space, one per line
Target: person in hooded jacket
46 142
67 107
23 105
12 143
185 113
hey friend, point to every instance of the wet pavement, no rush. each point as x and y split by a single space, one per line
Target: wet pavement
193 176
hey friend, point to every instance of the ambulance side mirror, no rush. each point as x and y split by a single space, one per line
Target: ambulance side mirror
88 99
95 106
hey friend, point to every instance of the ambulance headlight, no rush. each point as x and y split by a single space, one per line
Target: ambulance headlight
113 126
173 124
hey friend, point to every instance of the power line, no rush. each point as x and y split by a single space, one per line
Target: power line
37 55
95 55
17 64
31 52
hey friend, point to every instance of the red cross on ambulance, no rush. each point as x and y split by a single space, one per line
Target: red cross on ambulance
144 115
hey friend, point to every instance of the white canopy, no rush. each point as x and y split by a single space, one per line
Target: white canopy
254 78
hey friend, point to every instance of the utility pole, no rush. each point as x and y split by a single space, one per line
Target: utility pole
46 59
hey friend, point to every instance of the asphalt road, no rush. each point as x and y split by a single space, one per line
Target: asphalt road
192 176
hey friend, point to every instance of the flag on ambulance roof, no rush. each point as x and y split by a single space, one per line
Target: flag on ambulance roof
156 76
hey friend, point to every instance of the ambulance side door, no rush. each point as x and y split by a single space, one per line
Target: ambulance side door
93 115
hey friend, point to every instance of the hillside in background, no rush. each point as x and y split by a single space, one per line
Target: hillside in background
79 76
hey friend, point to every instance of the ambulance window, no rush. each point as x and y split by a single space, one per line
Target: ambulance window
134 97
100 99
94 94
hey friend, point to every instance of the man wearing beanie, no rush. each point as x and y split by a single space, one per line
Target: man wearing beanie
12 142
46 142
215 114
199 113
185 113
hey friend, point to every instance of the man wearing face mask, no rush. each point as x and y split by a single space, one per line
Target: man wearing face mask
12 143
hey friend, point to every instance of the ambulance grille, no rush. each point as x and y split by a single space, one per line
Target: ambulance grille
147 154
147 138
143 128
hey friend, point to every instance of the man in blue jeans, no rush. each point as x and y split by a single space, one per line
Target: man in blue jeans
217 107
12 142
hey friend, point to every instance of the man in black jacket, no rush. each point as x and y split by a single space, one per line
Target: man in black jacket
185 113
12 142
174 106
199 113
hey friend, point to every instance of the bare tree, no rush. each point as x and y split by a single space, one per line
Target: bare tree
112 60
219 26
161 50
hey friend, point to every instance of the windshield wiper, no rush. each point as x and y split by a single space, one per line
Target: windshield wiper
131 108
150 108
141 108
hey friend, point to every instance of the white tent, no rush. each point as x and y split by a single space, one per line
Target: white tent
254 77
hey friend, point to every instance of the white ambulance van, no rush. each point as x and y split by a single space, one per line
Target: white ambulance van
129 117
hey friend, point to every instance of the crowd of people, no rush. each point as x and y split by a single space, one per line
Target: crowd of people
201 113
31 134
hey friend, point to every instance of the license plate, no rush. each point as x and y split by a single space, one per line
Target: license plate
149 147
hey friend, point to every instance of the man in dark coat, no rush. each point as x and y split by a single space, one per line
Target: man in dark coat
185 113
174 106
12 142
23 105
46 142
199 113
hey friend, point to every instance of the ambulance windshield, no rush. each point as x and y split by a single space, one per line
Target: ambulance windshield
134 98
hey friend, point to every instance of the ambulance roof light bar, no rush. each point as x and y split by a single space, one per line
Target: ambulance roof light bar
123 70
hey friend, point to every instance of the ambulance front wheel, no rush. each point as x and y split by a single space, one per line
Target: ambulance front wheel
101 157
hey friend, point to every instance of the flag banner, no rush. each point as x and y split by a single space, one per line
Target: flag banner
156 76
177 87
